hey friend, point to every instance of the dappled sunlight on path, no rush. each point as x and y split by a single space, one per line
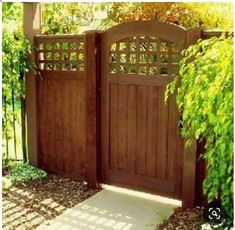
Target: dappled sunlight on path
27 205
114 209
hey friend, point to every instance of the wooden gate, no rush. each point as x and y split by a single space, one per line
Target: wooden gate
140 142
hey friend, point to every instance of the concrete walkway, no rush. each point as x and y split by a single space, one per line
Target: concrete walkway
114 209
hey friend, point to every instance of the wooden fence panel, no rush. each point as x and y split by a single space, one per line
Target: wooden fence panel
61 105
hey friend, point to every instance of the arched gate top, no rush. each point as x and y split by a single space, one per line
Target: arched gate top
163 30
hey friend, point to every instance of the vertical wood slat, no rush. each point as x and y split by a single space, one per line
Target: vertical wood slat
66 142
72 128
91 106
58 108
141 130
82 127
122 121
180 155
47 123
50 139
173 139
42 111
162 135
151 132
132 121
114 129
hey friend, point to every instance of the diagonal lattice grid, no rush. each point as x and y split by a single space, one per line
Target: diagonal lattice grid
145 56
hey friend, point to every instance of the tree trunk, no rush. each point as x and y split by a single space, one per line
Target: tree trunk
13 117
6 133
23 125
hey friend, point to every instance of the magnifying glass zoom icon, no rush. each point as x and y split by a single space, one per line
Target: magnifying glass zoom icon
214 213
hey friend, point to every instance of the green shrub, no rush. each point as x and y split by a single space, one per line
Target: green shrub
26 172
205 99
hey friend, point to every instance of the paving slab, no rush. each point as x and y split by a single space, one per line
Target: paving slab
112 209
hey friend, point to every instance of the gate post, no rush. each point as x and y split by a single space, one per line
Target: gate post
190 153
92 107
32 27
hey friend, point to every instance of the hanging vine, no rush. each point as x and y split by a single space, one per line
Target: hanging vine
205 99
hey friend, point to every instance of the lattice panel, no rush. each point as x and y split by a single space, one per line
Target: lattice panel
144 55
62 54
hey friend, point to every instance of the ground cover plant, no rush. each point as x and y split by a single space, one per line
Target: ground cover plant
14 172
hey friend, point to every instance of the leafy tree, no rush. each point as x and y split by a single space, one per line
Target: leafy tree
15 51
205 99
75 18
209 15
63 18
12 15
189 15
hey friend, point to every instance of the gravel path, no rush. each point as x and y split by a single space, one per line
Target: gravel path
27 205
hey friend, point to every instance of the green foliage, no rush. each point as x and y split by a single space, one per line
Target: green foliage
73 18
17 171
15 51
12 16
25 172
63 18
15 62
213 15
208 15
205 99
7 163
